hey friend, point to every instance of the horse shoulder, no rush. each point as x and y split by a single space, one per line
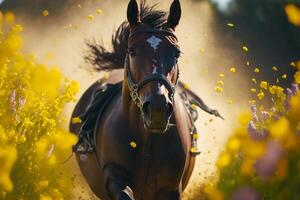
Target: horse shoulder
113 141
182 123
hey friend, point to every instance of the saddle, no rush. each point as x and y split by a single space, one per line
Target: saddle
101 98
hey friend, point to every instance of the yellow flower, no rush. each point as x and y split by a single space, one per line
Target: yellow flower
232 69
45 13
194 107
8 156
9 18
45 197
293 13
257 70
245 49
284 76
219 89
293 64
224 160
43 184
295 108
254 81
202 50
245 118
220 83
247 167
17 29
221 75
230 24
76 120
275 68
234 144
187 86
261 95
252 102
99 11
229 101
106 75
253 90
298 65
297 77
90 17
264 85
280 129
250 152
133 144
280 92
273 89
194 150
52 160
196 136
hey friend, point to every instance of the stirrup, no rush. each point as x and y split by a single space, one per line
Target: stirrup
83 146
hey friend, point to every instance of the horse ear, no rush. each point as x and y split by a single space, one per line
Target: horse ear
133 13
174 15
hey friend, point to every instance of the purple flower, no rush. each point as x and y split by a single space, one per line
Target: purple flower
289 93
12 100
254 109
255 117
254 133
267 165
252 127
265 115
245 193
13 96
22 101
295 88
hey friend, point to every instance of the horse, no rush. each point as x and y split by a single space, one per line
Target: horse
144 144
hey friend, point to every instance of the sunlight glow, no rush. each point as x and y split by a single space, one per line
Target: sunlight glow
222 4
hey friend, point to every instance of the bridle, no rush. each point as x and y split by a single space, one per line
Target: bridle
135 88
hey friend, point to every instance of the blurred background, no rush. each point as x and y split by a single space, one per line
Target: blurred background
226 43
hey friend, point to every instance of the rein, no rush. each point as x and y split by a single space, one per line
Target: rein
134 88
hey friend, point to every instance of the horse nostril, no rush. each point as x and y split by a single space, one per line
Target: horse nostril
169 109
146 108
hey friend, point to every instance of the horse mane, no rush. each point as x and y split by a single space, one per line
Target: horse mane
102 59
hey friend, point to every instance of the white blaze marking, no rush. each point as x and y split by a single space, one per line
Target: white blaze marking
154 42
154 70
161 89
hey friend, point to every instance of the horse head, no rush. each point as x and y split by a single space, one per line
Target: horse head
151 67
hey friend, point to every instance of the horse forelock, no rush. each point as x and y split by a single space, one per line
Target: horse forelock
102 59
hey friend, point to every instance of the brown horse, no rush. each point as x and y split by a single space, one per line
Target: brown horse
143 139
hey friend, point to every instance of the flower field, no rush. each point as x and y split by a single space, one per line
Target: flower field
33 143
262 157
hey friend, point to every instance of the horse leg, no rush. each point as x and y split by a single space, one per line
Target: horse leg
117 182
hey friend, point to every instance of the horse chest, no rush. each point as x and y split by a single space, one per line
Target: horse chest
160 164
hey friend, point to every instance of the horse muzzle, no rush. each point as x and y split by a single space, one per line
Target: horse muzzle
156 117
